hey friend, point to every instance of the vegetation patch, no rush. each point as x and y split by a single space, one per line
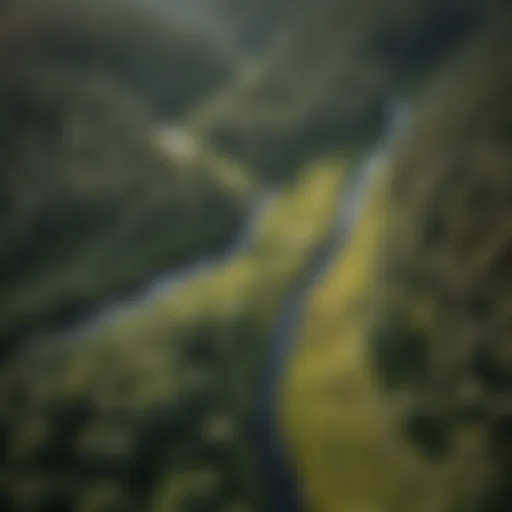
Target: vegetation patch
419 301
156 410
325 83
91 203
167 67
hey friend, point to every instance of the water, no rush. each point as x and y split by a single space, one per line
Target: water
167 282
279 474
276 466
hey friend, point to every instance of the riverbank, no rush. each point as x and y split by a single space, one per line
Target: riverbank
330 358
90 213
276 460
155 409
391 399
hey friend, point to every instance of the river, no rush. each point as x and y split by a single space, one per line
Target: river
275 463
168 281
278 473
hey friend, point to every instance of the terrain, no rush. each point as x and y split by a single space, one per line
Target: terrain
399 386
155 412
255 270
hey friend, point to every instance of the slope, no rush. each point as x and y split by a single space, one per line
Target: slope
155 412
326 79
91 202
398 396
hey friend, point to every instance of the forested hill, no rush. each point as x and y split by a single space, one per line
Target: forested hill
398 395
323 83
92 204
247 25
232 277
169 66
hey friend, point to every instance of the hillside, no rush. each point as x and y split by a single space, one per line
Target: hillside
154 413
453 178
325 80
233 278
398 397
92 204
168 66
248 26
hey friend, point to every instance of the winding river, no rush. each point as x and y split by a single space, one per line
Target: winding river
276 467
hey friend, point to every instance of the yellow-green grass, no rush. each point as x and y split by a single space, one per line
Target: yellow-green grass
191 359
397 398
350 457
290 229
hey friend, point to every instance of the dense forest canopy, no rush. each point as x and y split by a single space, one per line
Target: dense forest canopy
169 67
89 199
91 202
325 80
449 255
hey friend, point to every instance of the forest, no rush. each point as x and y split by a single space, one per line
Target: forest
255 256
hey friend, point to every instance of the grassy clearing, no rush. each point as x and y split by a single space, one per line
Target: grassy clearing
154 410
350 457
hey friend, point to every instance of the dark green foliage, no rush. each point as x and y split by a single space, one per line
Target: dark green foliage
489 370
6 502
191 448
423 34
254 23
428 431
449 268
90 204
247 25
326 83
160 429
399 353
168 67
